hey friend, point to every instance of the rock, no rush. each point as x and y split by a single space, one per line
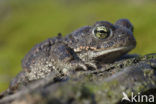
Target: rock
131 74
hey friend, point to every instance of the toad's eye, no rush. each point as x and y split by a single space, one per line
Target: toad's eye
101 32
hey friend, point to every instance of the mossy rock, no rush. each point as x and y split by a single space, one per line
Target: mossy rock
135 74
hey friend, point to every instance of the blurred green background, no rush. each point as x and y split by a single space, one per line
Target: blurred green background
24 23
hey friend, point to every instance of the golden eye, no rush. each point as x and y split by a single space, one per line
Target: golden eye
101 32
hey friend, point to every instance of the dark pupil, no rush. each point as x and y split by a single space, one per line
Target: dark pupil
101 31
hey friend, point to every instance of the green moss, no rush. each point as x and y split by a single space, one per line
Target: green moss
148 72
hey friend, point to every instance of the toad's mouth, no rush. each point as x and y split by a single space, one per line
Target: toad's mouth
110 54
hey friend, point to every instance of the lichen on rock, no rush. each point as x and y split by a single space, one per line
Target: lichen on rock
105 86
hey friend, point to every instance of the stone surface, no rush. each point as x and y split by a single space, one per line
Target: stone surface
129 74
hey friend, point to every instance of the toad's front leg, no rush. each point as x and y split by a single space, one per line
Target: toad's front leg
65 59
